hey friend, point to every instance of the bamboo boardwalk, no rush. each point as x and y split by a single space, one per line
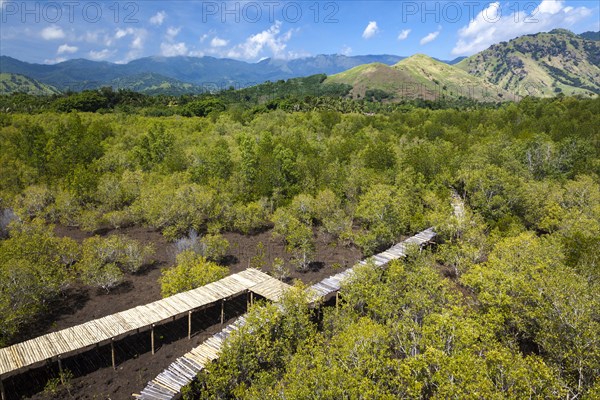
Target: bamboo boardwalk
80 338
181 372
333 284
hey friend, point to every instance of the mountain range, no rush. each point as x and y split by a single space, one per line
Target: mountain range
543 64
182 74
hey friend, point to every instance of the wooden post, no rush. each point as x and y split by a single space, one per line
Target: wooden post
2 393
112 352
189 325
152 338
222 311
337 299
251 298
60 370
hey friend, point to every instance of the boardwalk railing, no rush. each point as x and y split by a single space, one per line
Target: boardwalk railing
80 338
181 372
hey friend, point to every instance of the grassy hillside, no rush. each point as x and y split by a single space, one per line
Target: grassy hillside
16 83
543 64
418 76
151 84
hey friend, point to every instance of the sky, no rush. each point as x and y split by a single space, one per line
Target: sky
49 32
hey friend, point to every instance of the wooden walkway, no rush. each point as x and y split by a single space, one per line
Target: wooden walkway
333 284
181 372
77 339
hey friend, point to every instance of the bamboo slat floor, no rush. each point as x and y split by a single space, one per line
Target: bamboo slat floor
182 371
333 284
81 337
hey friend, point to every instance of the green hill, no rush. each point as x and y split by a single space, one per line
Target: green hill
418 76
151 84
543 64
17 83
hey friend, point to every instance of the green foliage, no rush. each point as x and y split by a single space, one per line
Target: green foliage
279 270
154 147
57 384
85 101
298 237
258 260
384 213
202 108
505 307
35 267
106 259
527 288
190 206
214 247
261 348
191 271
249 217
101 274
399 333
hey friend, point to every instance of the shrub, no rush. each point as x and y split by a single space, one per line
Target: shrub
120 218
297 235
102 257
250 217
280 271
190 242
191 271
214 247
106 276
33 202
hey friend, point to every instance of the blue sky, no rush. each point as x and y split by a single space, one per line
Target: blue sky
119 31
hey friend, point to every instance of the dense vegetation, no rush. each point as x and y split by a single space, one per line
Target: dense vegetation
299 94
506 306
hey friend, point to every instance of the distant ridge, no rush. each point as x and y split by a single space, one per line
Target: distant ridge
206 72
543 64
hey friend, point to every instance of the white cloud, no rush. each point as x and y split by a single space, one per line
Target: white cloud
52 33
218 42
158 18
493 24
270 39
430 37
100 55
172 32
404 34
137 42
346 50
203 37
90 37
65 48
550 7
136 46
371 30
121 33
55 60
169 48
173 49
